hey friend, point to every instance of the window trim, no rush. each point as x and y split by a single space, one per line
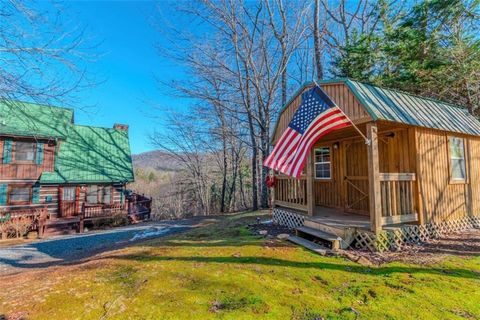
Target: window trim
16 203
14 152
465 159
74 193
330 178
87 193
107 187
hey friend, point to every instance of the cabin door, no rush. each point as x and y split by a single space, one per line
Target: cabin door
68 201
356 177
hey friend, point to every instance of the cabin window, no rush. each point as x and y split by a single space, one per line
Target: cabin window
107 195
457 159
19 195
24 151
92 194
323 165
68 194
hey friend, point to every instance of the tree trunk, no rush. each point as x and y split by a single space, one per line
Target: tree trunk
316 41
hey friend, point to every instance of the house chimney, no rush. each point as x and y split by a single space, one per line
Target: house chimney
119 126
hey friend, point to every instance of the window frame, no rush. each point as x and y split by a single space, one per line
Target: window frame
74 193
109 188
315 162
15 152
88 192
453 180
16 203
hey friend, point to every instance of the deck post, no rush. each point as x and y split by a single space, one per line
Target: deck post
374 191
310 197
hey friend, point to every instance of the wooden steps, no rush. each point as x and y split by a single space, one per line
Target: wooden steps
315 247
318 236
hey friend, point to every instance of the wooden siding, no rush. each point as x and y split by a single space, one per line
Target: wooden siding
342 97
53 205
27 171
440 198
349 184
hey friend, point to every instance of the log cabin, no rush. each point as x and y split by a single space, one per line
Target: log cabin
64 172
417 176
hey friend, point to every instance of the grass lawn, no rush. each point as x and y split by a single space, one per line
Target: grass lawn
221 271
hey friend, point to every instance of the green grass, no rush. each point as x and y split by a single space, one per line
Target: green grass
223 272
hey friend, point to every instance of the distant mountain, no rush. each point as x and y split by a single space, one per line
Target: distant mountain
157 159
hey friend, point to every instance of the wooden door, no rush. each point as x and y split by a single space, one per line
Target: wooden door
68 203
356 177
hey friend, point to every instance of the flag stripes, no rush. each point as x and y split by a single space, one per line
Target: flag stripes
316 117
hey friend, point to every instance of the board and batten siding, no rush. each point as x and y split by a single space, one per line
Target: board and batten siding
26 171
339 93
442 199
349 160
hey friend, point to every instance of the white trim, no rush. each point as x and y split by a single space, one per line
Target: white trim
322 162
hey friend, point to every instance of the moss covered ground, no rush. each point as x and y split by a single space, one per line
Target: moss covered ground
222 271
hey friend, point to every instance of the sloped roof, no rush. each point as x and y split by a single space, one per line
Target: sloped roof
402 107
29 119
92 155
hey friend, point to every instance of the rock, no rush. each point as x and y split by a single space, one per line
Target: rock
263 232
282 236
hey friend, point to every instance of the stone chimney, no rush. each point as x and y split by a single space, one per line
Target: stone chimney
119 126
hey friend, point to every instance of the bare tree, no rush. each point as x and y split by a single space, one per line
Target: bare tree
41 58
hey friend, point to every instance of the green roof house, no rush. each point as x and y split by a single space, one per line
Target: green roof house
47 161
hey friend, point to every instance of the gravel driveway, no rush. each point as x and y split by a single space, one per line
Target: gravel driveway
64 249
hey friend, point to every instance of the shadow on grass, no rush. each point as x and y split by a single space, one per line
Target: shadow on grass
382 271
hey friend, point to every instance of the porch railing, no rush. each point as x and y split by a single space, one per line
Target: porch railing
138 204
17 222
96 211
291 193
398 201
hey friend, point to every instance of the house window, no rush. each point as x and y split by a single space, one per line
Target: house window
19 195
107 195
24 151
323 166
68 194
92 194
457 159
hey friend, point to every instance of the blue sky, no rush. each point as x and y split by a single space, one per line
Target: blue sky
128 63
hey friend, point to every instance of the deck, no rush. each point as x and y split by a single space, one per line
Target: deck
340 219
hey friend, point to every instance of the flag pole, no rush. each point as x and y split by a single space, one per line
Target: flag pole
367 141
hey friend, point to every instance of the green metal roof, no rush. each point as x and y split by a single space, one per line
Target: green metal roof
92 155
393 105
29 119
402 107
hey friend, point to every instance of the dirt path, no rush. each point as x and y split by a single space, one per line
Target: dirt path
67 249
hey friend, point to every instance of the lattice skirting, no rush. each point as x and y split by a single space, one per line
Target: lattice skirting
394 239
287 218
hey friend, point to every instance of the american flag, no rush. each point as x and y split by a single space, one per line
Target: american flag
316 116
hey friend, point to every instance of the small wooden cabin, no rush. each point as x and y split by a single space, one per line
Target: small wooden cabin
422 166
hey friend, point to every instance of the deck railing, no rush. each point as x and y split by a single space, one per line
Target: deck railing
101 210
139 204
17 222
398 201
291 193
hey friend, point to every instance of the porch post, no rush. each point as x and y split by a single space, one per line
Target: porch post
374 192
310 197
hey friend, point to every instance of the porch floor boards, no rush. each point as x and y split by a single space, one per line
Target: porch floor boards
340 219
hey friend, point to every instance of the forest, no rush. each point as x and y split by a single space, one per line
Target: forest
252 56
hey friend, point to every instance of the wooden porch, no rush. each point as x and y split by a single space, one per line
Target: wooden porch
136 207
367 188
